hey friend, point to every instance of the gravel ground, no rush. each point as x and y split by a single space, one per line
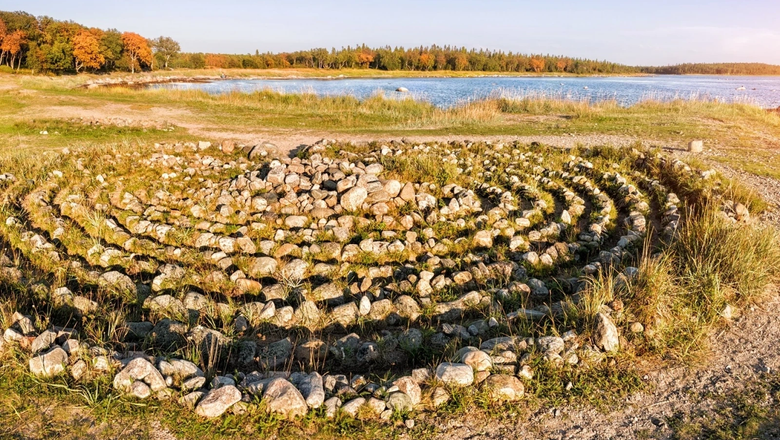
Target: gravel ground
742 353
767 187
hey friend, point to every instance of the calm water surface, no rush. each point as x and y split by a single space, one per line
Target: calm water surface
446 92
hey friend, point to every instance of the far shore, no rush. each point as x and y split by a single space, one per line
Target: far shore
211 75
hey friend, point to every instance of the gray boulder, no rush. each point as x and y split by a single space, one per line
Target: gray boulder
217 401
606 336
283 398
353 199
43 341
49 364
312 390
139 369
455 375
504 387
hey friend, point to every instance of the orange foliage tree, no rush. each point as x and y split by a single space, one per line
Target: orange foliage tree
460 61
365 57
217 61
3 33
86 51
12 43
562 64
426 60
137 49
537 64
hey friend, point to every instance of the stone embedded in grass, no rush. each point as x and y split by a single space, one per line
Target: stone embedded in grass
483 239
311 388
606 336
504 387
191 400
477 359
282 398
49 364
169 334
332 405
503 343
276 354
139 390
400 402
454 374
217 401
294 271
328 292
166 304
221 381
353 199
139 330
117 281
407 385
43 341
439 397
179 369
311 352
352 407
139 369
78 369
550 344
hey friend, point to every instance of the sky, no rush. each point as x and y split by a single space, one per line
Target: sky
635 32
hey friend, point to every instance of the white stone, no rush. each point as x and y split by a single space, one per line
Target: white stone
453 374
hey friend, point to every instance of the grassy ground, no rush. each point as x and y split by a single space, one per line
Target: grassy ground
742 135
67 410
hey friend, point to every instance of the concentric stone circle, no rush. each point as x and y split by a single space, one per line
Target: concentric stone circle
446 260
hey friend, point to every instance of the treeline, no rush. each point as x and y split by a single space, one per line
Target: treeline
43 44
715 69
423 58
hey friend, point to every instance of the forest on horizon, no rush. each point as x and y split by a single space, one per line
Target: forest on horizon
46 45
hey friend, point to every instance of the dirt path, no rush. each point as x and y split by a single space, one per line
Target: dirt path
288 140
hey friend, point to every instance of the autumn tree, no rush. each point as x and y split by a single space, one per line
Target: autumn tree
137 50
3 33
365 57
12 44
216 61
562 64
86 51
426 61
460 61
166 48
537 64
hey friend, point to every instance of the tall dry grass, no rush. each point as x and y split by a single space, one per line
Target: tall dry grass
712 267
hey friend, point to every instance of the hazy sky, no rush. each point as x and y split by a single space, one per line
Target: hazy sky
626 31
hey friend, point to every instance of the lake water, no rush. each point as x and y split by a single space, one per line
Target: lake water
446 92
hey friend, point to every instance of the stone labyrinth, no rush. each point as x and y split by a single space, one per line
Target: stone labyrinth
373 277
